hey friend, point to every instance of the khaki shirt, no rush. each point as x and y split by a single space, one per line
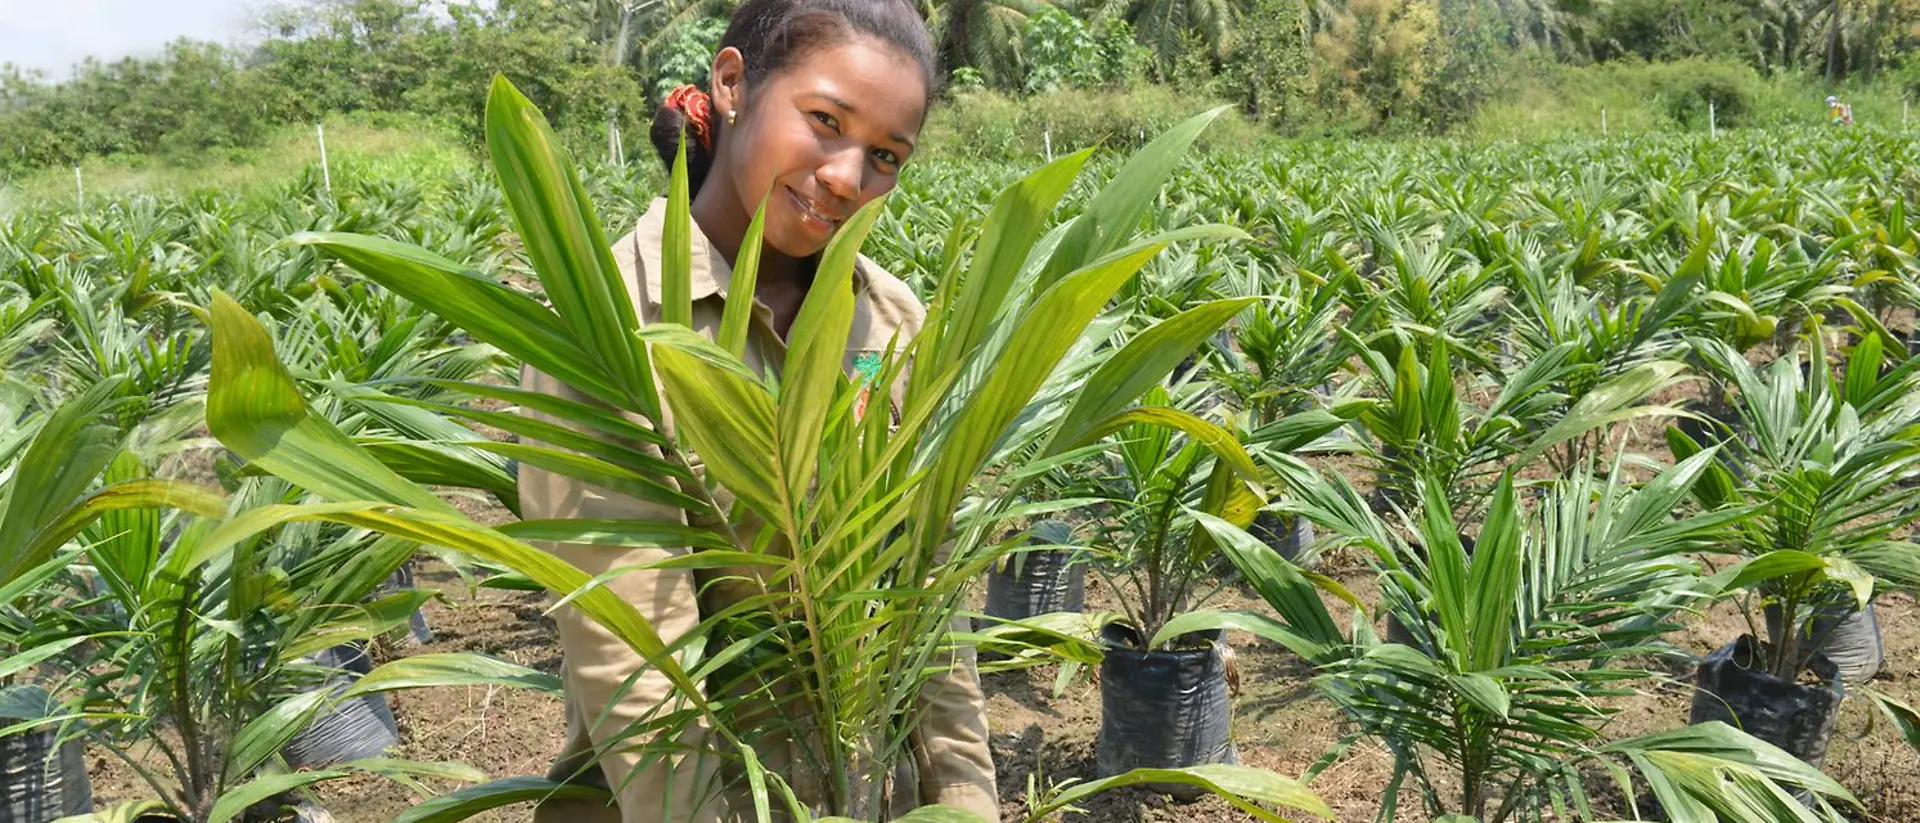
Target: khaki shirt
951 765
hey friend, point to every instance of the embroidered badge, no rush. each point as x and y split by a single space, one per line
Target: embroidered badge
867 365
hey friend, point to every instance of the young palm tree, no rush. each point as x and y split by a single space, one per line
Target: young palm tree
1826 461
856 563
1493 708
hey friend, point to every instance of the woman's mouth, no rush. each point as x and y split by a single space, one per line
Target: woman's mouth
812 214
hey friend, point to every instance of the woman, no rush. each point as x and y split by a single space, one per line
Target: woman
816 105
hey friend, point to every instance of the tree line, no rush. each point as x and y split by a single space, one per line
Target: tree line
600 65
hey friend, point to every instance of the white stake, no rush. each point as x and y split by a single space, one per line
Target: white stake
1047 137
1603 121
326 175
79 190
1712 132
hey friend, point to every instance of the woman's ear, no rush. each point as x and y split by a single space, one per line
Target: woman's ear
729 80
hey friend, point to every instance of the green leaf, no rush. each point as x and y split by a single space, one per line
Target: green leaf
814 364
1482 691
1016 221
1447 571
21 660
133 494
451 669
1899 713
365 623
399 768
1238 785
494 314
1773 565
1295 431
1142 363
456 533
255 409
471 801
236 800
1044 334
1717 488
1115 213
1258 625
676 244
72 448
564 241
1215 438
729 421
267 734
585 415
1289 592
1493 581
1610 403
132 811
738 314
1722 742
1863 371
664 534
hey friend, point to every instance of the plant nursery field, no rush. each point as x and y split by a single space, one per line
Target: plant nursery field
1487 482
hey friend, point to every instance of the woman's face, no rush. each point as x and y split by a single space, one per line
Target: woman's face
822 138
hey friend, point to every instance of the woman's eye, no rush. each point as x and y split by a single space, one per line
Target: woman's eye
827 120
886 158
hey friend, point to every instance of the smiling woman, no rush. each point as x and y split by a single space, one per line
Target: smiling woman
815 106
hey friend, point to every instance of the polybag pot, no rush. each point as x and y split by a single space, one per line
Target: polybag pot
1035 583
1290 535
1733 687
402 580
1162 709
1853 640
41 779
358 728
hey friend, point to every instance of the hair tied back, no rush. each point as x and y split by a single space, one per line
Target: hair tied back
698 108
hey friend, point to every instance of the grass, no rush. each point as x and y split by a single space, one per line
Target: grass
357 146
1548 101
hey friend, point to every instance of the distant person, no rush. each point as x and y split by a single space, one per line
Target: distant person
1839 113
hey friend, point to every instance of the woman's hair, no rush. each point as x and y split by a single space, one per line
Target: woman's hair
773 35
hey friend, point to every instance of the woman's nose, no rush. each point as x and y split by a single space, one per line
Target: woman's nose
841 173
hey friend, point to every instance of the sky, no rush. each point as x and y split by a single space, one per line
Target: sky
52 35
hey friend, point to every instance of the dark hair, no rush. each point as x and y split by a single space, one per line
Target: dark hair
772 35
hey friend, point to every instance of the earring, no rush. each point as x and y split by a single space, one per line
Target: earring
732 116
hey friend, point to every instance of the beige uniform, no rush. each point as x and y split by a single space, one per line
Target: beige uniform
951 765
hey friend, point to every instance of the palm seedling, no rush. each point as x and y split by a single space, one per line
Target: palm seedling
1494 706
1610 341
1420 425
171 639
854 560
1827 460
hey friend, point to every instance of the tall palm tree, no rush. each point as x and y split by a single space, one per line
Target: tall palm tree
984 35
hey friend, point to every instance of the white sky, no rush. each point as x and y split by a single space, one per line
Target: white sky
52 35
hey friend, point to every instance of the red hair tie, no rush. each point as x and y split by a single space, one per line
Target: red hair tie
698 108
